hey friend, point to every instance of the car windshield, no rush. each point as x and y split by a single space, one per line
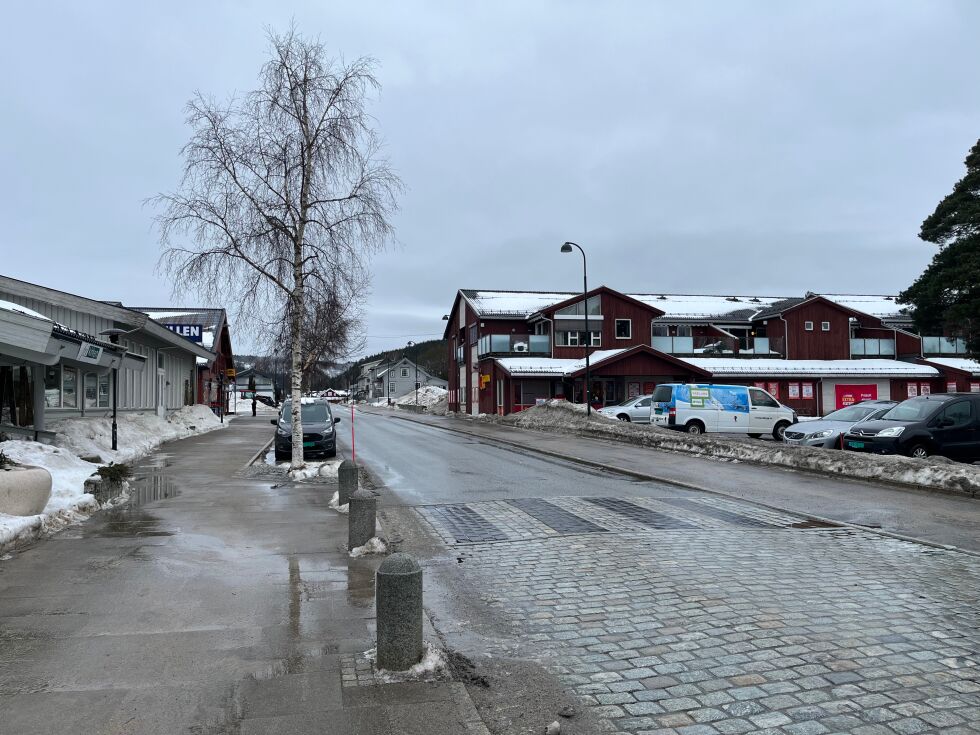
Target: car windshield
851 414
313 413
914 409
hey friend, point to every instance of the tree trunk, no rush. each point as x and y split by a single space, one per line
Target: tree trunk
296 375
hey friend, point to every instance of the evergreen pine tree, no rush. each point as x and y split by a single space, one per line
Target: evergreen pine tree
946 297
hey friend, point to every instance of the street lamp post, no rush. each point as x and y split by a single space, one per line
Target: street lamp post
416 361
113 335
567 248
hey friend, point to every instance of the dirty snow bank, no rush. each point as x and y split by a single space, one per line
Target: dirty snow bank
374 546
311 470
335 503
429 395
139 433
431 667
936 473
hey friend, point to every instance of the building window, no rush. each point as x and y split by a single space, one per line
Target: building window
659 330
473 334
391 388
404 372
684 330
52 386
104 390
808 326
541 327
825 326
578 309
91 390
69 387
624 329
576 339
596 339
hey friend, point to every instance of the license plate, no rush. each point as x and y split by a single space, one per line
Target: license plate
856 445
308 444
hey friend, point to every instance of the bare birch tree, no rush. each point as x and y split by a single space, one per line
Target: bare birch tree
284 191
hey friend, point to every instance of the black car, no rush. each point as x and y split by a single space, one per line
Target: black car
947 424
319 435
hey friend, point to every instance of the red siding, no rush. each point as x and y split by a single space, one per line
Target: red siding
817 344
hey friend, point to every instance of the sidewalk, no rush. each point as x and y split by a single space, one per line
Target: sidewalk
210 604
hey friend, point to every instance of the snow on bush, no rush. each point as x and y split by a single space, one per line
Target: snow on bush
138 434
935 472
429 395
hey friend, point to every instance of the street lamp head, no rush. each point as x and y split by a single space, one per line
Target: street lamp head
445 317
567 247
410 344
113 334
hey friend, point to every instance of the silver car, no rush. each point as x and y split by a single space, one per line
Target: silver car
632 409
827 431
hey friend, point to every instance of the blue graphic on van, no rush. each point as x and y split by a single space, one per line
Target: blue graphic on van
730 398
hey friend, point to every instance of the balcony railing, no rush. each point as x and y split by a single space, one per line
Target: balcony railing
872 347
712 345
514 344
943 346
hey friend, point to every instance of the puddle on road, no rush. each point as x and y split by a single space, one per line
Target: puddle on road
360 584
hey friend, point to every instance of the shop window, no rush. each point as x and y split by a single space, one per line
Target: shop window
624 329
104 390
69 387
52 386
825 326
808 326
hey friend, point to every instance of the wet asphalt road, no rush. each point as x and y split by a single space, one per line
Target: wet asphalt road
425 464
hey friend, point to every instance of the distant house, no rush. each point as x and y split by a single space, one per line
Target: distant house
265 385
397 379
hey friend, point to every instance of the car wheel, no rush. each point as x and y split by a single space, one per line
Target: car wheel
755 436
623 417
919 451
779 430
695 428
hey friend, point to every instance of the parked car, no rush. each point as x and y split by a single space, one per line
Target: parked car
947 424
319 435
632 409
829 430
734 409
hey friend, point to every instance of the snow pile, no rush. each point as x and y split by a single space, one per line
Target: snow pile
138 433
429 395
373 546
335 503
68 503
316 469
432 666
562 417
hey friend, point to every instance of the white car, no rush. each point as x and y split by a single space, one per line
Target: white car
632 409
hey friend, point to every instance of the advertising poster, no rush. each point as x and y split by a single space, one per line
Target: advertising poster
760 384
793 391
925 389
699 396
848 394
913 390
975 387
951 387
648 387
773 389
807 390
632 390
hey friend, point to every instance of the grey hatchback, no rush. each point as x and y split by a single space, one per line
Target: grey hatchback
829 430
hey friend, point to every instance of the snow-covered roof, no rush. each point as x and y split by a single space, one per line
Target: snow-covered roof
693 306
958 363
883 307
553 366
11 306
721 366
513 303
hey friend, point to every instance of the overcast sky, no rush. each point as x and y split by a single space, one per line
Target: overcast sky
712 147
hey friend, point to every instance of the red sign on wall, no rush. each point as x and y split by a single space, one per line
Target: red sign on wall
848 394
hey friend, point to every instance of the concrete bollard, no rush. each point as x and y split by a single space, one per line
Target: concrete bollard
347 476
398 603
361 518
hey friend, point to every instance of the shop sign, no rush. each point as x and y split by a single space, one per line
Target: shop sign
848 394
89 353
699 396
231 372
193 332
484 381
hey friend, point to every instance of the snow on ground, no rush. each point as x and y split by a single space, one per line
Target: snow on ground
432 665
935 472
138 434
428 395
373 546
315 469
335 503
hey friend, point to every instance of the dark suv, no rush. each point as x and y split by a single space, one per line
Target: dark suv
319 436
947 424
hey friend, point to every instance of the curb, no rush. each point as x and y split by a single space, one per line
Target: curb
263 450
699 488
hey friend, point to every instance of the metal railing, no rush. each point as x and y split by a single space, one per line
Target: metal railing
514 344
861 347
943 346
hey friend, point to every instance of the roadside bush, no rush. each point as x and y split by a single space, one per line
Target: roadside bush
115 473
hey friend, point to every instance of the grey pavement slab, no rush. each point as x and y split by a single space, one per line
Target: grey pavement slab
213 602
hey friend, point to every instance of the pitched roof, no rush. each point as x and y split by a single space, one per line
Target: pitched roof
512 304
957 363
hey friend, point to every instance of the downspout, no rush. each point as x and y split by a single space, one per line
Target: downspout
785 337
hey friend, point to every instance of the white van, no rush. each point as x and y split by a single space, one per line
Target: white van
732 409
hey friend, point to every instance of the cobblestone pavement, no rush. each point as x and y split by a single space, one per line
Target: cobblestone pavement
701 615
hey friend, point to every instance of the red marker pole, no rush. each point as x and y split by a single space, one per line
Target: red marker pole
353 454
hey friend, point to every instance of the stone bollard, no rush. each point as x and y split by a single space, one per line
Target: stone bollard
347 476
361 518
398 602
